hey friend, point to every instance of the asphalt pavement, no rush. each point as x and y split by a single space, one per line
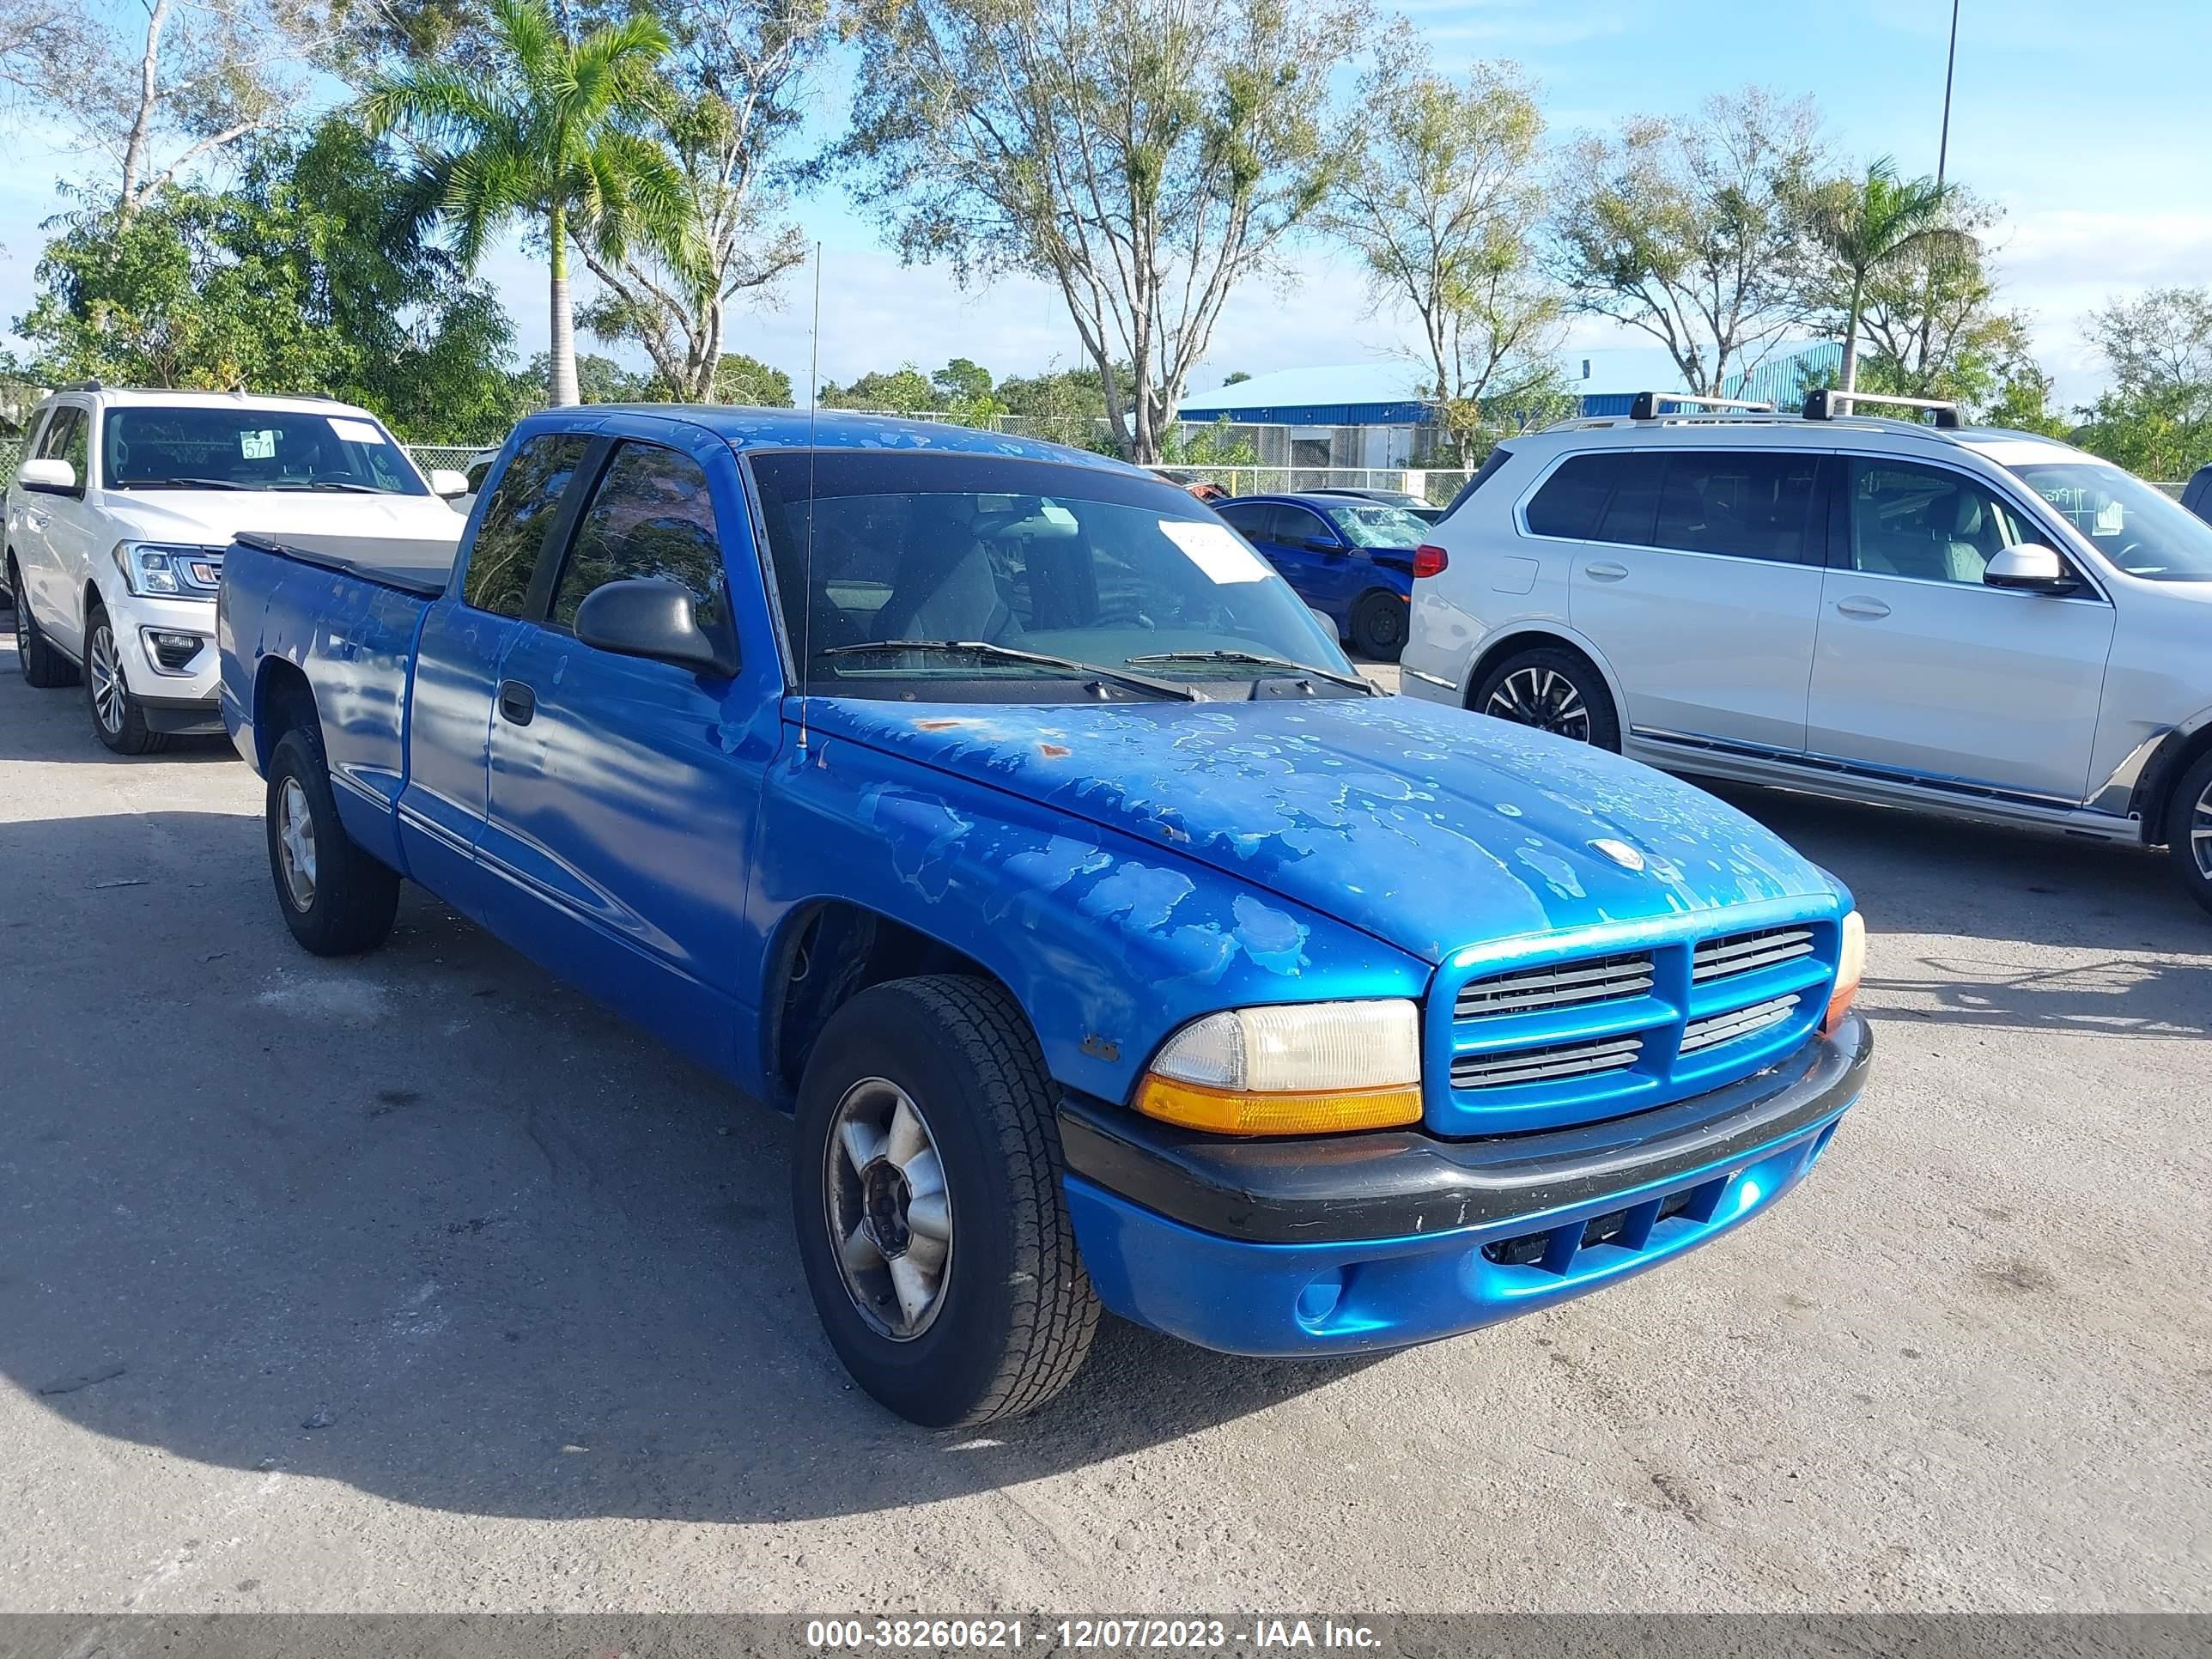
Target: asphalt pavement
418 1282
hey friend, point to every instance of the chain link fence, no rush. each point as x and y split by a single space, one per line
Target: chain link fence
1435 485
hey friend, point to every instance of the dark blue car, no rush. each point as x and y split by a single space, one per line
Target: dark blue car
1352 559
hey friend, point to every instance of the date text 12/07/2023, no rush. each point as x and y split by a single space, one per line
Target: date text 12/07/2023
1194 1634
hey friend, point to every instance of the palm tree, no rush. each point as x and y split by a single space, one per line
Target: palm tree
552 129
1866 225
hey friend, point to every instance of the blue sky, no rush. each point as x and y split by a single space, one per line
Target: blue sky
2087 123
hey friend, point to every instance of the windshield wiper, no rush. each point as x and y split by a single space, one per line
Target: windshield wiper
1008 653
327 483
1258 660
183 483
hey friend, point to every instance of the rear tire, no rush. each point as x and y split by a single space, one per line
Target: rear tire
117 718
1378 625
42 665
2189 829
924 1113
1553 690
337 900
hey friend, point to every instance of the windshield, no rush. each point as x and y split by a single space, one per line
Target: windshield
1082 563
2140 530
1379 525
153 448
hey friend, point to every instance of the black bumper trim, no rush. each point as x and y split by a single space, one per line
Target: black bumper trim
181 716
1327 1189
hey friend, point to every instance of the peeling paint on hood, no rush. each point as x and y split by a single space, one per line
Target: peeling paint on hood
1429 828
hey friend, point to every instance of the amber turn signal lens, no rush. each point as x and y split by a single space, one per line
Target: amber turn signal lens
1851 963
1317 1112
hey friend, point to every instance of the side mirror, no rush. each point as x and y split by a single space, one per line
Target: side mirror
2028 566
1322 545
50 477
653 619
444 481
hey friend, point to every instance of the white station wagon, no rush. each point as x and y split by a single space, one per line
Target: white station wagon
1972 621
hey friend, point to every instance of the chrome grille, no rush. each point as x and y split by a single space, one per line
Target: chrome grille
1548 1064
1717 1029
1561 985
1744 953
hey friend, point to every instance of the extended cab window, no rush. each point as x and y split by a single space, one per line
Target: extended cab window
1744 503
512 533
650 517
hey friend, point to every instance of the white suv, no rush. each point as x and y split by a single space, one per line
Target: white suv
1970 621
119 514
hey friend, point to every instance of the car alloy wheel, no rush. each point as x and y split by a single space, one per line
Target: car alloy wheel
2200 833
295 845
110 700
1544 698
885 1204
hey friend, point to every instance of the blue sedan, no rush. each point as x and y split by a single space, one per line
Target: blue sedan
1353 561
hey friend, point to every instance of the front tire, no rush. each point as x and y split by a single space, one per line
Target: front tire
42 665
925 1189
1378 625
1553 690
2188 830
118 719
337 900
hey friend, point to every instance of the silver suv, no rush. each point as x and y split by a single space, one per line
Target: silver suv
1970 621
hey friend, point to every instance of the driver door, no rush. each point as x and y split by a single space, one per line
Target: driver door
1920 670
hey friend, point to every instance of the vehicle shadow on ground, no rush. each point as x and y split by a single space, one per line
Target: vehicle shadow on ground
1966 920
427 1223
71 739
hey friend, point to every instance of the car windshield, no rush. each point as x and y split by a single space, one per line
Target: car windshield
1088 565
2139 529
1379 525
149 447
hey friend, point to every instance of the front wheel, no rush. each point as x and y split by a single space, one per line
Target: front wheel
337 900
1553 690
42 665
1378 625
116 718
925 1188
2188 830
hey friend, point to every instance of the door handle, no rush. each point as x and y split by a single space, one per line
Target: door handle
1605 572
1862 607
517 702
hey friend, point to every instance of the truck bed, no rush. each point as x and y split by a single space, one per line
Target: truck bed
404 563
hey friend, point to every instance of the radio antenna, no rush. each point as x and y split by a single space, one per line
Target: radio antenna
806 563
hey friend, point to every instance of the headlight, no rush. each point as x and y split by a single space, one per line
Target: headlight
158 570
1851 963
1302 1068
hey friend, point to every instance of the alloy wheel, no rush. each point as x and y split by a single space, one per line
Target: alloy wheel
889 1214
296 845
2200 833
1544 698
108 704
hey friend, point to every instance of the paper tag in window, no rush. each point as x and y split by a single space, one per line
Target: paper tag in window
354 432
257 446
1215 549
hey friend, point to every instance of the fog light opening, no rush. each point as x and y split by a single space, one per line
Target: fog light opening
1319 1299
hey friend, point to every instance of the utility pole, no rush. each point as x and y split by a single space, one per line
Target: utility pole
1943 160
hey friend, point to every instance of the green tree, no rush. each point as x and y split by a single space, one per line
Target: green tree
1236 377
1694 230
2155 419
1440 201
962 381
600 380
548 131
747 380
1143 157
1875 223
904 391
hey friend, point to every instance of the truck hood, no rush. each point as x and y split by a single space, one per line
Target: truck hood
1429 828
209 517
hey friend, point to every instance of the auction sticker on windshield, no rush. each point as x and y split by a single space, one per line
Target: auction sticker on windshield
355 432
1215 549
257 446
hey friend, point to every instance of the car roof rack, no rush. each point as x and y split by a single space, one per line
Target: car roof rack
1828 403
1645 406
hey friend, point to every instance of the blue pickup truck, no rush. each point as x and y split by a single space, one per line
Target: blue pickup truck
995 808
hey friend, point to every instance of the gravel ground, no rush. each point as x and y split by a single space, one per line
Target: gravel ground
417 1283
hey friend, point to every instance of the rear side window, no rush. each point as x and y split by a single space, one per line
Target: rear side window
1250 521
1744 503
1572 497
512 533
651 518
1629 514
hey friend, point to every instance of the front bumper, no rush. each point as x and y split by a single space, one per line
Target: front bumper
178 693
1357 1242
